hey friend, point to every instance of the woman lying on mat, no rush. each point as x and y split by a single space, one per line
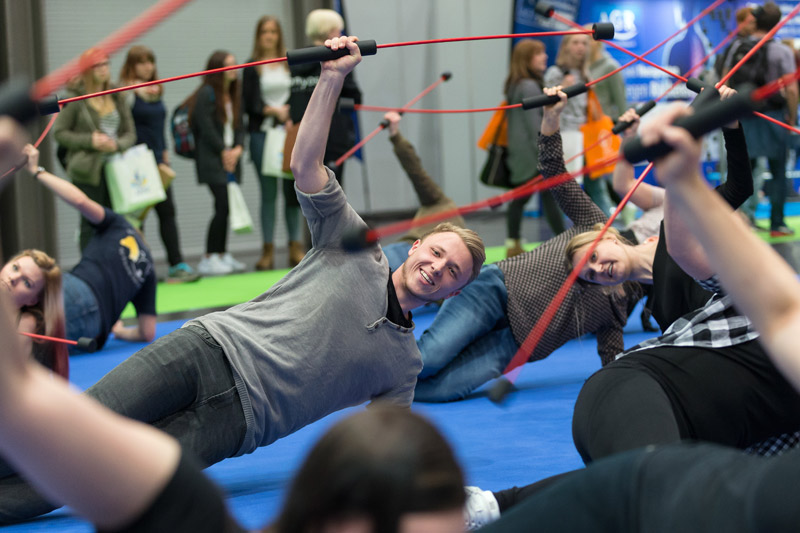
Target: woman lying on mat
383 469
116 267
689 486
502 305
33 280
694 381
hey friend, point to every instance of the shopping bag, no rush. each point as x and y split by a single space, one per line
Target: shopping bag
495 171
272 158
133 179
239 217
496 131
597 137
167 175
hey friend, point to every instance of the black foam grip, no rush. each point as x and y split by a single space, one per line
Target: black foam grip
702 121
16 102
499 391
87 344
707 95
545 10
314 54
447 75
346 104
602 30
695 85
641 110
48 105
543 99
384 123
356 240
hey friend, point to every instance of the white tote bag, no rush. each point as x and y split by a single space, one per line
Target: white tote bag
133 179
239 217
272 158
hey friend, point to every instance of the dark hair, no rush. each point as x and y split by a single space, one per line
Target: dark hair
767 17
138 54
378 464
216 81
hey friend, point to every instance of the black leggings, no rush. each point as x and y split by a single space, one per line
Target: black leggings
168 228
621 409
217 239
679 487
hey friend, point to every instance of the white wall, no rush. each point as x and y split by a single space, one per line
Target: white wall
393 77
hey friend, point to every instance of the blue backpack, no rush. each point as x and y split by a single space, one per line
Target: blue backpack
182 131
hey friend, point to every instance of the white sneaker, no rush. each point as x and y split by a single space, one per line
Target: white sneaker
213 265
481 508
236 266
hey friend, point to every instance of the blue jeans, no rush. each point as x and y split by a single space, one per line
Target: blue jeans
469 342
182 384
396 253
81 310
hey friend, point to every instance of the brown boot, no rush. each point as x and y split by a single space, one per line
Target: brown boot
513 247
265 263
296 253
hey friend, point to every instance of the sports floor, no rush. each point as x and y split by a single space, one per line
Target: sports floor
523 440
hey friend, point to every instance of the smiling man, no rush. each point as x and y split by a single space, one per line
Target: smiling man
334 332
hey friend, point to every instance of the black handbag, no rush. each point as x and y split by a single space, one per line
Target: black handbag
495 171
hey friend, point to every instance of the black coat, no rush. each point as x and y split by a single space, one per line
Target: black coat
208 138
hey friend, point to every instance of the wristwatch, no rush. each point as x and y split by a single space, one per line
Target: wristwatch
39 170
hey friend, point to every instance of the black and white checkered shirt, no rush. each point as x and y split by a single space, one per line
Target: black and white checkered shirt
715 325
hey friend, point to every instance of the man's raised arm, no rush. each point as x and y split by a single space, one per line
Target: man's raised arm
309 150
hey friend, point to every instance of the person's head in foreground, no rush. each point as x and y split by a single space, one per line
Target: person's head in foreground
383 470
442 262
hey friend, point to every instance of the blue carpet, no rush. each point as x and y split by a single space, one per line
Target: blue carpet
526 439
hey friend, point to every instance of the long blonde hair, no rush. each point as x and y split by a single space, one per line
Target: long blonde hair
587 237
563 61
49 314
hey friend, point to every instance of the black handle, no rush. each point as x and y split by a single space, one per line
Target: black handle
87 344
695 85
357 240
446 75
16 102
545 10
602 30
314 54
641 110
346 104
543 99
702 121
706 92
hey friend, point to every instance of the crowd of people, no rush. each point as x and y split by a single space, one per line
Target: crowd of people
663 427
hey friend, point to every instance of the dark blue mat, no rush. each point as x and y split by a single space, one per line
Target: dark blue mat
526 439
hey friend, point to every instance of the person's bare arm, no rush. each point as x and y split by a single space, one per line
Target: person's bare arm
91 210
307 156
646 196
73 450
143 331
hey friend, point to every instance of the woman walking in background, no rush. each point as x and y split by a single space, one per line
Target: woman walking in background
528 63
265 96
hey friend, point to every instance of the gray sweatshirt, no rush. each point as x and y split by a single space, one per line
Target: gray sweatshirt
318 340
